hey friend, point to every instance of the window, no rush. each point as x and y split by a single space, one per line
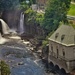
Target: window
57 51
56 35
51 49
62 37
63 53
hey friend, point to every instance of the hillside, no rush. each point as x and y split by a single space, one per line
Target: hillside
72 10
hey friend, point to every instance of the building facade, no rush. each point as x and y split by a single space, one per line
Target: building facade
41 3
62 47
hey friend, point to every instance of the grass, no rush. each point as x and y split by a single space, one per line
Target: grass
72 10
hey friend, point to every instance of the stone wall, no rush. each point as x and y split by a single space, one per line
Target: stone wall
12 18
67 61
34 30
43 2
69 52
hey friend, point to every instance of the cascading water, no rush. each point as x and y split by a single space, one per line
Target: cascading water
21 26
2 39
0 36
5 28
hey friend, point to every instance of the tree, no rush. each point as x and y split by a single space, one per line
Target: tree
8 4
11 4
56 12
34 1
4 68
30 16
39 18
25 4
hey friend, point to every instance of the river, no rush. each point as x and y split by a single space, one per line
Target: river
21 60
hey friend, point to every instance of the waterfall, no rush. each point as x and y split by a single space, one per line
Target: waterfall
5 28
0 36
21 26
2 40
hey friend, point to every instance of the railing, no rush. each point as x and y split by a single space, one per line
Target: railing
71 17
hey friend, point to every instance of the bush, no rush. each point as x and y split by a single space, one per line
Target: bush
4 68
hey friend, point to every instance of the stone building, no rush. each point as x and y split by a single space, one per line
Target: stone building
62 47
41 3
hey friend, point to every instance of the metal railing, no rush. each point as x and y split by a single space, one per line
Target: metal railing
70 17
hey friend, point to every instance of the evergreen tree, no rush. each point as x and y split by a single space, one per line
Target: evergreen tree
56 11
8 4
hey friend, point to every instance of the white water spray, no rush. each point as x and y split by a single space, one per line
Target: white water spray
5 28
0 36
21 27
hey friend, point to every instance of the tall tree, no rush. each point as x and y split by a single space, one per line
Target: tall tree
11 4
56 11
8 4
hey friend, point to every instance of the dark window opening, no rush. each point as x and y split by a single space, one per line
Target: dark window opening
57 53
63 53
62 37
51 49
56 35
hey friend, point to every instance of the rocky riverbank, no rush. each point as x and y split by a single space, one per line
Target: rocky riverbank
21 59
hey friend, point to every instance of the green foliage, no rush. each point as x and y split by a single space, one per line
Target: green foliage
24 5
39 18
73 25
44 43
30 12
30 16
4 68
30 1
8 4
72 10
56 11
33 17
11 4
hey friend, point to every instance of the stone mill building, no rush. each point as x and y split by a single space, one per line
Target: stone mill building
62 47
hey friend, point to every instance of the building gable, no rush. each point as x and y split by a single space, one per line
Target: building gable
65 35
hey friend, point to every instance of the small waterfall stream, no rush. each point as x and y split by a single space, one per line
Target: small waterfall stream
21 26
